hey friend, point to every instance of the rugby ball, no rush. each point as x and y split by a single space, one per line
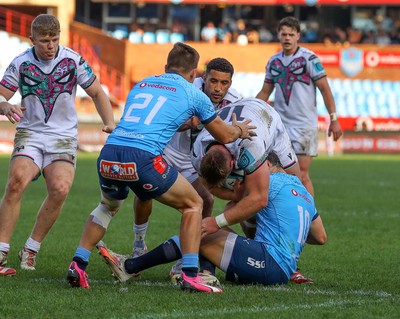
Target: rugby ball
230 181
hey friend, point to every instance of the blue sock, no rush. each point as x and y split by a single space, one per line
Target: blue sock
190 264
81 257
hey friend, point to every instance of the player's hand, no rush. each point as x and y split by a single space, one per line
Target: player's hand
335 130
14 113
108 128
194 122
208 226
246 130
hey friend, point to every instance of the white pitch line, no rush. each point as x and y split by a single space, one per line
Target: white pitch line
251 310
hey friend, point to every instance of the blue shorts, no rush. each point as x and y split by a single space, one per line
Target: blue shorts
121 168
252 264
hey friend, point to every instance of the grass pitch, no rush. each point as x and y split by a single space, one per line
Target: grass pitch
356 273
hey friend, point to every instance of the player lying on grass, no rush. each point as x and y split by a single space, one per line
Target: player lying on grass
284 225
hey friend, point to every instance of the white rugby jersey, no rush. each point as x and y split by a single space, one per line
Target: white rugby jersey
181 143
48 90
295 91
249 155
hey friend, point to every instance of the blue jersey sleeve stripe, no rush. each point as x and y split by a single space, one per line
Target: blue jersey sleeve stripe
209 120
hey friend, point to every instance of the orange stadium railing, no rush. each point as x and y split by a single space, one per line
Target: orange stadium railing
110 77
15 22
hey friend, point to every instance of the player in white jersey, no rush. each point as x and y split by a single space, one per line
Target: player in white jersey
216 84
295 72
46 141
284 225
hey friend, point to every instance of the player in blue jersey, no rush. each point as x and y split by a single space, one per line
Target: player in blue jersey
284 225
46 139
155 109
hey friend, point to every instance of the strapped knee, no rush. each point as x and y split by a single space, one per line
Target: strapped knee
101 216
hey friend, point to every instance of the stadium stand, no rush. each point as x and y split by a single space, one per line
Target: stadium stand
354 97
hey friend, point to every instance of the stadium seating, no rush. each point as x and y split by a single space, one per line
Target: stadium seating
135 37
162 36
353 97
149 37
176 37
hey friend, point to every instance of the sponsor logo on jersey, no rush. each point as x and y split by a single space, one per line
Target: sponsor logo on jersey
159 164
119 171
157 86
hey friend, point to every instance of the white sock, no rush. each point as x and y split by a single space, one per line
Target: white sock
5 247
140 234
32 245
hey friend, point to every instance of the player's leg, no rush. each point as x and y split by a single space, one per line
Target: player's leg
183 197
305 163
208 202
94 230
21 172
206 196
142 210
212 246
59 177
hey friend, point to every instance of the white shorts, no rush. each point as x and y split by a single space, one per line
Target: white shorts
44 149
304 141
182 162
284 149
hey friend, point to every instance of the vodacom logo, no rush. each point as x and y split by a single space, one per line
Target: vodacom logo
372 59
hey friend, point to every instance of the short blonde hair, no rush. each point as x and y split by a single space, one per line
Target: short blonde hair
45 24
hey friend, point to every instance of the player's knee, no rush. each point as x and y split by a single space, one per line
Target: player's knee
113 205
60 189
101 215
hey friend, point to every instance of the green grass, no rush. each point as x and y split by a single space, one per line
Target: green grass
356 272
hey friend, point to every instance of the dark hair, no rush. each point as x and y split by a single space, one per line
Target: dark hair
182 58
220 65
274 159
45 24
290 22
214 167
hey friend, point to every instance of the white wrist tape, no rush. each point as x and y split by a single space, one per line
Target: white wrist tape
2 99
221 220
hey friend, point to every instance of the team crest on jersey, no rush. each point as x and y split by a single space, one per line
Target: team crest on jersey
286 76
48 87
351 61
119 171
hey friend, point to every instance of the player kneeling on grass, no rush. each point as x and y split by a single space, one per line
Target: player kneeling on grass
288 221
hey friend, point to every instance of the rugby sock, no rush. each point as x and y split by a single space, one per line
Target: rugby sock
190 264
32 245
5 247
162 254
140 234
206 265
81 257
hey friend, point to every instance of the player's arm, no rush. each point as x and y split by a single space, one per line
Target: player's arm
103 105
255 198
334 127
316 234
12 112
224 133
192 124
265 92
220 192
